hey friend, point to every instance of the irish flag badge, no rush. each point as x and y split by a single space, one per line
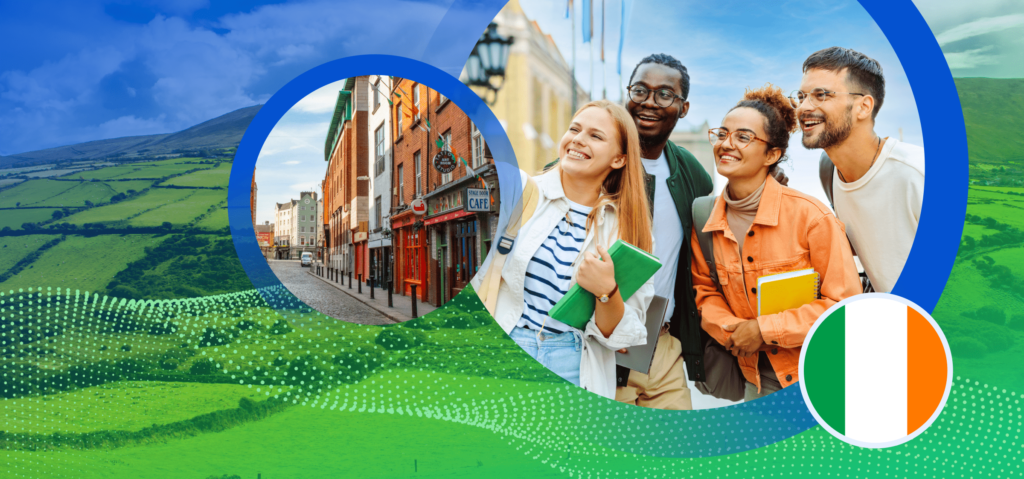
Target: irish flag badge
875 370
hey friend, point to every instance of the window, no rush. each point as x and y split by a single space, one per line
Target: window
416 101
447 177
399 114
401 186
376 94
478 146
377 212
378 139
302 229
419 182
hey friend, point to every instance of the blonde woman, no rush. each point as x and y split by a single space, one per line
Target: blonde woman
594 196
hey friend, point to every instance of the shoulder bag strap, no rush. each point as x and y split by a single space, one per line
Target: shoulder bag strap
826 170
701 211
522 213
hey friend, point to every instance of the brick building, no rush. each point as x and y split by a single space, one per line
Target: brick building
442 248
347 182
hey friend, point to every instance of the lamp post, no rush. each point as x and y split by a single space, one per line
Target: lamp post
486 64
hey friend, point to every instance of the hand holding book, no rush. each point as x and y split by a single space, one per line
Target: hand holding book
597 273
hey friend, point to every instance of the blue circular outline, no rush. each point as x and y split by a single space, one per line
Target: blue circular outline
924 276
240 181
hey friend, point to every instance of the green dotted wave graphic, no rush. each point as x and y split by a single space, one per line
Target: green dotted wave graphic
217 386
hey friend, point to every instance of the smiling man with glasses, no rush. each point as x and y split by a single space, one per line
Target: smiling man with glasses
876 185
657 99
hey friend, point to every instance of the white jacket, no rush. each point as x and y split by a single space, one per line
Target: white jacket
597 366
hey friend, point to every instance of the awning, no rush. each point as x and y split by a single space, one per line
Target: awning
448 217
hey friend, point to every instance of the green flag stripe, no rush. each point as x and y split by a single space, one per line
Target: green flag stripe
825 370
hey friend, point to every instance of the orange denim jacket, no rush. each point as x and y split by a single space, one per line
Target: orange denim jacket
791 231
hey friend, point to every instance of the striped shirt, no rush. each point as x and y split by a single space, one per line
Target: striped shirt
549 272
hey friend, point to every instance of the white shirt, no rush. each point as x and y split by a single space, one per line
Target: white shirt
549 272
668 233
881 210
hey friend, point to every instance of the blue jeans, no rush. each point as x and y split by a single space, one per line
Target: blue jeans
561 353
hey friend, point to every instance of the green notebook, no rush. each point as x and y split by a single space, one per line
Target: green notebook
633 267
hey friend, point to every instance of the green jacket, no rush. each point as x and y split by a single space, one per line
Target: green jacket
687 181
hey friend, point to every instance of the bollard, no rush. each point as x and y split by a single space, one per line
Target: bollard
391 304
349 280
360 283
372 286
413 300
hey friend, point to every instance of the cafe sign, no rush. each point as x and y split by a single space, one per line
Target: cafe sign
444 162
478 200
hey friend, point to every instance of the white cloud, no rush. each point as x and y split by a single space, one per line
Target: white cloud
131 126
322 100
293 162
979 27
971 58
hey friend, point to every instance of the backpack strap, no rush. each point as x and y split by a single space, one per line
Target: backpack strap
701 210
522 213
826 171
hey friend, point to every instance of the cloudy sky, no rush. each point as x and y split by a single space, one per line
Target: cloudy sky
292 158
730 48
980 38
81 70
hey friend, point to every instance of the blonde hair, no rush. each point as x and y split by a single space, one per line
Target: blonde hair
625 187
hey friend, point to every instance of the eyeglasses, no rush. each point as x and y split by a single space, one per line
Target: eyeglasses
740 139
817 96
662 97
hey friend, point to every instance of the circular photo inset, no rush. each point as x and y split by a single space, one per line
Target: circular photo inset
375 199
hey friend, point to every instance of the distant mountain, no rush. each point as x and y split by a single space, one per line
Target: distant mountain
224 131
992 113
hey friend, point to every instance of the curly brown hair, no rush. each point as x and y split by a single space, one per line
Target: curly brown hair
779 116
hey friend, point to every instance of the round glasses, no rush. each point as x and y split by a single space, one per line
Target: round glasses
663 97
740 139
817 96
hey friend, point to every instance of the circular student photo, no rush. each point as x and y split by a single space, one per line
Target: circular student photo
686 209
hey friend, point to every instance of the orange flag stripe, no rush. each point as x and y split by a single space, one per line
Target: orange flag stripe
926 370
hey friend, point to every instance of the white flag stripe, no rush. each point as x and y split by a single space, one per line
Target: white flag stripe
876 370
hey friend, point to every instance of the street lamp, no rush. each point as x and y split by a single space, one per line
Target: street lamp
487 62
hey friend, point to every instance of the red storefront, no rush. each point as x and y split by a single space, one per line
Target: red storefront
410 243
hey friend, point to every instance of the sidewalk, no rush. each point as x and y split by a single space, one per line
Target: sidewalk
401 312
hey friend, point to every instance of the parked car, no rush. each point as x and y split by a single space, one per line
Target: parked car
307 259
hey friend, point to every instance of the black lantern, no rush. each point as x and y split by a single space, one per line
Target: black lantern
486 64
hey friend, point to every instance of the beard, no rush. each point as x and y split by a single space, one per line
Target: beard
648 142
832 135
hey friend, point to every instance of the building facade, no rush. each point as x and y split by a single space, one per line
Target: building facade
380 192
535 104
265 238
347 181
295 226
441 159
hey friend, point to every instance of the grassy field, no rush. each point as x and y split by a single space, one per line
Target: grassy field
14 248
15 218
139 170
977 231
154 198
216 220
66 193
120 406
212 177
81 263
181 212
34 191
304 442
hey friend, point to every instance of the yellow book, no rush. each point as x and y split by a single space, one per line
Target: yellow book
779 292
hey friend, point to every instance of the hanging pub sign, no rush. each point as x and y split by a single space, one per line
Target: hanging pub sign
418 206
444 162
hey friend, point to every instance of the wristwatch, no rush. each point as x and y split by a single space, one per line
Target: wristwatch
605 297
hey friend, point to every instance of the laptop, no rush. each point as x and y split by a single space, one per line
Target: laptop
639 358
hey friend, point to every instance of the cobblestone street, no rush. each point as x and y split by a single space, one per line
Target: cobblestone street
323 297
